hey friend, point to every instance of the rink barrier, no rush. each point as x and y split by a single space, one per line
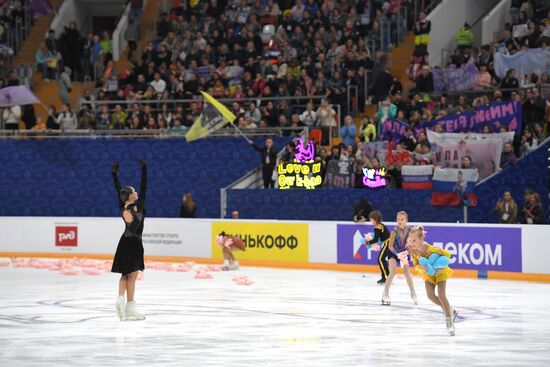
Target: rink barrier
485 251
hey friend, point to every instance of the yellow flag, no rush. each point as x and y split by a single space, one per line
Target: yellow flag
213 117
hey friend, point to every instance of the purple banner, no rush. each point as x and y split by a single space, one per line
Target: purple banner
455 79
40 8
481 248
495 115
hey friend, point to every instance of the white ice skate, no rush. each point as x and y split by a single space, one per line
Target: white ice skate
225 265
120 307
386 301
454 313
234 266
450 326
414 298
131 314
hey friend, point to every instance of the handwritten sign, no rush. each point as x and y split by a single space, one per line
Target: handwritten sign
374 178
306 175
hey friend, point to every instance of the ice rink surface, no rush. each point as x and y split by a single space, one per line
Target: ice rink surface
286 318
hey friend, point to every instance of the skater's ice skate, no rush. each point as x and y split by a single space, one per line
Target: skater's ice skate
381 281
386 301
120 307
414 298
234 266
131 313
450 325
455 314
225 265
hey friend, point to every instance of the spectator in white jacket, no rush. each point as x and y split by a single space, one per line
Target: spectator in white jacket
66 119
309 117
12 115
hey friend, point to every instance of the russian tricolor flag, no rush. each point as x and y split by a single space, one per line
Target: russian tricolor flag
417 177
453 186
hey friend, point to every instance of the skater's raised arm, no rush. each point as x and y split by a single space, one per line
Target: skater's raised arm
114 169
143 185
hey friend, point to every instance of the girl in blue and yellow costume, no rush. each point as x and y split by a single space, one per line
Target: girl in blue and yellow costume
420 251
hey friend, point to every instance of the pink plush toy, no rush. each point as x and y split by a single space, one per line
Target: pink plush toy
183 268
69 271
203 274
4 263
92 271
213 267
403 258
243 281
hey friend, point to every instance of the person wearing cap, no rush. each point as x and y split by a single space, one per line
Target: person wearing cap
464 37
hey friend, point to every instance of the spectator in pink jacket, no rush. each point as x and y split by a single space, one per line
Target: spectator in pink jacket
484 79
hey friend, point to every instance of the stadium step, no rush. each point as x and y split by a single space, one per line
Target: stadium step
26 54
401 58
148 23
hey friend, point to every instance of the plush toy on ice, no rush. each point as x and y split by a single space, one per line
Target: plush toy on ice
434 262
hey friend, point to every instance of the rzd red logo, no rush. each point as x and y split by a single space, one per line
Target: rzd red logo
66 236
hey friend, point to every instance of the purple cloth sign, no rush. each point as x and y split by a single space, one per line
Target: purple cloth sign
495 115
17 96
473 248
40 7
455 79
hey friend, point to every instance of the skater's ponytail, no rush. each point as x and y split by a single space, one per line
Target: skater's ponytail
418 231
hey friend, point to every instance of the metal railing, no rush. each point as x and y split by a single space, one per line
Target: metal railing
133 134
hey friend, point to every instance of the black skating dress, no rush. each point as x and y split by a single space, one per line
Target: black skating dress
129 252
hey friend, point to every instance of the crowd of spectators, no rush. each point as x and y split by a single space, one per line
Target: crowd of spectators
316 48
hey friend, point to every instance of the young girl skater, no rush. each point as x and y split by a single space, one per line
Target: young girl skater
396 245
380 233
420 249
228 244
129 253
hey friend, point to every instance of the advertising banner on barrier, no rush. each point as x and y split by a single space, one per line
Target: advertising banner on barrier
161 236
472 248
266 241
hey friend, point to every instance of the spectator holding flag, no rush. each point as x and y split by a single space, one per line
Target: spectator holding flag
269 159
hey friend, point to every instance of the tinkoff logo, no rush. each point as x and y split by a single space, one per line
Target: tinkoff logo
268 241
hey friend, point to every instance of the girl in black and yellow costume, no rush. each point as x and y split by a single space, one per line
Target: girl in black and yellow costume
382 234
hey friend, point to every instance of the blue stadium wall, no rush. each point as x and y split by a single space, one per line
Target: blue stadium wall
72 177
332 204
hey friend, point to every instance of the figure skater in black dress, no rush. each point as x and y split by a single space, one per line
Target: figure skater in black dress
129 253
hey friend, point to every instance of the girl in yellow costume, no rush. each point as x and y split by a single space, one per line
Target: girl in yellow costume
419 249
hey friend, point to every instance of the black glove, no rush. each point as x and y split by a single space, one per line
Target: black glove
114 167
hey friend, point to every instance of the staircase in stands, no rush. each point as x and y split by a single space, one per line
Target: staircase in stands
48 92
